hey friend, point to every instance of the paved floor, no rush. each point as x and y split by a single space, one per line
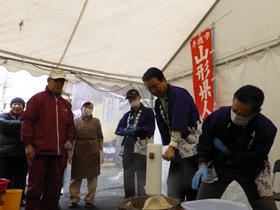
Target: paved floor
102 202
109 189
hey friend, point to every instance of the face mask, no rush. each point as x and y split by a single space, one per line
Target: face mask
237 120
135 104
87 112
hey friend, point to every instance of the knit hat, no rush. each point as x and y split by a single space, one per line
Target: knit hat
17 99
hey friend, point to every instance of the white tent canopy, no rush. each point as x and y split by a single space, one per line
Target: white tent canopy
109 40
247 51
247 38
241 28
114 42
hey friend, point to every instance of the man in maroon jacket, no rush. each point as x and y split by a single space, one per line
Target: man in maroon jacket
47 131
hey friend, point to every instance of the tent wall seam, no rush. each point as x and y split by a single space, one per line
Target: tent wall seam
189 36
73 32
71 69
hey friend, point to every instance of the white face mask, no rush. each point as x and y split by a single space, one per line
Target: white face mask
237 120
87 112
135 104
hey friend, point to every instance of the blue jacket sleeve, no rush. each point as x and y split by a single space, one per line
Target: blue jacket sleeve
122 125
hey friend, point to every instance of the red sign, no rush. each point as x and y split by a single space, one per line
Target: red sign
203 76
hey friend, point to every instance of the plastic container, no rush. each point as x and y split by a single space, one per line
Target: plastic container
3 184
213 204
12 199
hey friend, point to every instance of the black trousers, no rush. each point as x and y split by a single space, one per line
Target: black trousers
15 169
134 166
217 188
180 177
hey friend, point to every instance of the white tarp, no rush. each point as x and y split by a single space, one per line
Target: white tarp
108 39
247 52
240 28
152 33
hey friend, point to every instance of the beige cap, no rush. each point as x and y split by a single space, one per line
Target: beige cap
57 74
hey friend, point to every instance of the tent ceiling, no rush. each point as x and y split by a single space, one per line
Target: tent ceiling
109 38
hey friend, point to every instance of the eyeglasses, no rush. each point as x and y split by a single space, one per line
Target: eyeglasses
153 87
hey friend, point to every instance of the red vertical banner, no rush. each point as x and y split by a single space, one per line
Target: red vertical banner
203 76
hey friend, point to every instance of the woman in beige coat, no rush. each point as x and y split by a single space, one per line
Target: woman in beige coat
87 155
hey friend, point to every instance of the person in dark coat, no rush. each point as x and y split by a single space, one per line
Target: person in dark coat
234 145
177 119
136 126
13 163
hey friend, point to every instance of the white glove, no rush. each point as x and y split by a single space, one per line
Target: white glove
101 156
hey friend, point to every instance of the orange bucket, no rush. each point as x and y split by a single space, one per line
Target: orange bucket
12 199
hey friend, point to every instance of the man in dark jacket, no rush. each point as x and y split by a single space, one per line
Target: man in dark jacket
177 119
138 124
13 163
47 131
234 145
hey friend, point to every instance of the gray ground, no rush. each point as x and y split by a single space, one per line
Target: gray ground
109 190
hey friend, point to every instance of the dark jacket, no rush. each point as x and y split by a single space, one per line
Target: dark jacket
10 144
182 113
248 146
145 126
47 123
